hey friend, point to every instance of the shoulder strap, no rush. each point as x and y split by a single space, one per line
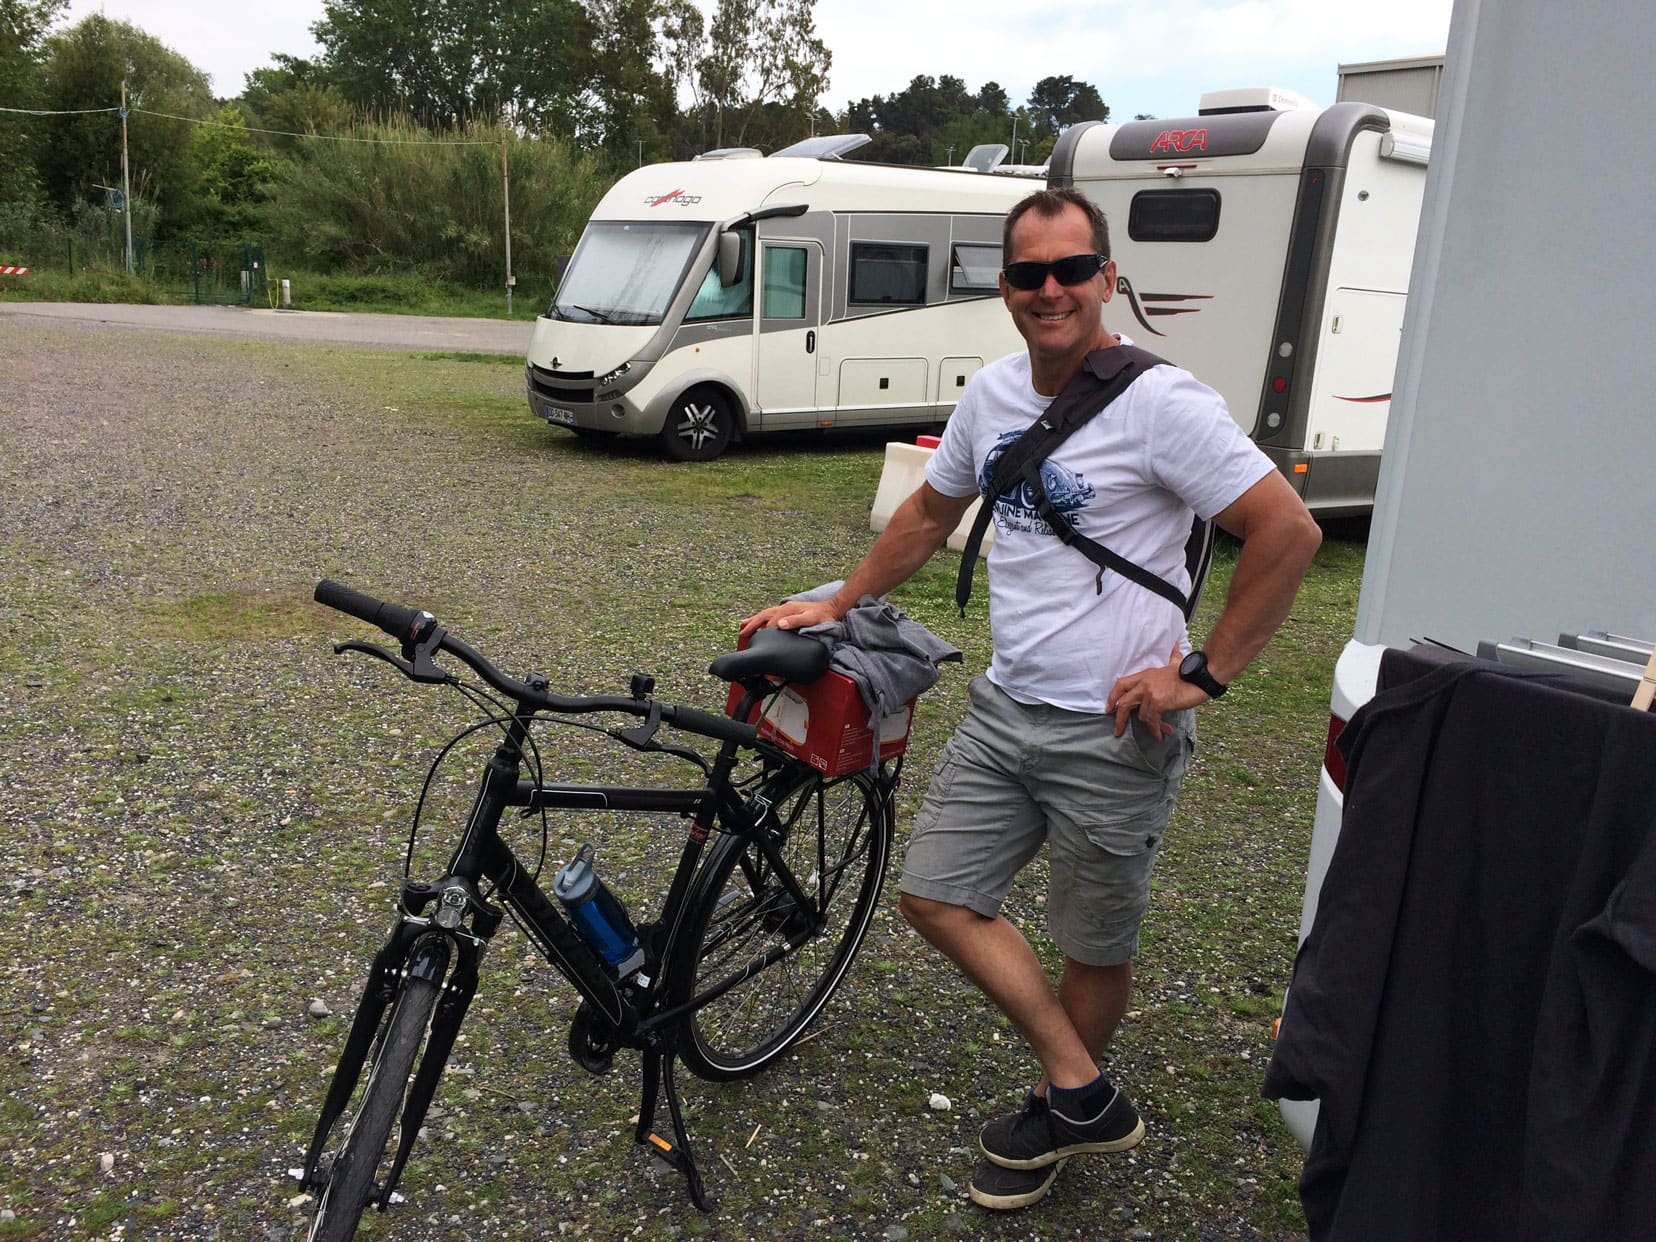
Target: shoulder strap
1103 377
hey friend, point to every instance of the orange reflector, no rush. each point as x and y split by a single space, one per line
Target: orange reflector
1301 467
661 1142
1275 1027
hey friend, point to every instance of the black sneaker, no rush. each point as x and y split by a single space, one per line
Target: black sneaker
1003 1189
1040 1135
995 1134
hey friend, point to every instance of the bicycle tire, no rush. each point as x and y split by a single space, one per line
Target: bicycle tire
351 1182
738 910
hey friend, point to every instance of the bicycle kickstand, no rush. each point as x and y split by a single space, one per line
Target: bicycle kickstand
658 1080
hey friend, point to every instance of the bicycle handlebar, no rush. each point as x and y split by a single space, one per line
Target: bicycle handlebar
409 625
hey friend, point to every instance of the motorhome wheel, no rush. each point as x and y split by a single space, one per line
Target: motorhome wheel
698 427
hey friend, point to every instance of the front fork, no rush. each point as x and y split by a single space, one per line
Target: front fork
456 903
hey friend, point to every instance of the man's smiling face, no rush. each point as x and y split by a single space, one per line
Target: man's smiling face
1062 324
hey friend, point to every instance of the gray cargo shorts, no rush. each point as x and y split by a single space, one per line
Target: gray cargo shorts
1014 777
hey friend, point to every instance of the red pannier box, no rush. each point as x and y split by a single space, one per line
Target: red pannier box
825 723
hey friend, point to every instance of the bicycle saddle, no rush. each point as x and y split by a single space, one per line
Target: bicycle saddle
774 653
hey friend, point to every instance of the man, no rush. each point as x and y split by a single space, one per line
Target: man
1080 733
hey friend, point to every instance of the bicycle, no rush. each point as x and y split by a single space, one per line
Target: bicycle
754 935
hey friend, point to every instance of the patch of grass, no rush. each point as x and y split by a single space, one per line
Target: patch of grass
96 285
400 293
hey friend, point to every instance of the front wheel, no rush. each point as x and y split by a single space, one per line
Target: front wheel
699 426
351 1182
835 836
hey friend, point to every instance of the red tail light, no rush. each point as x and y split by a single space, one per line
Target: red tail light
1333 760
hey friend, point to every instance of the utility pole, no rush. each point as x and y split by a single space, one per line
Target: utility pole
126 179
506 195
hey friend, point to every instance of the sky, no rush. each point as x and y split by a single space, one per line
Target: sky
1144 56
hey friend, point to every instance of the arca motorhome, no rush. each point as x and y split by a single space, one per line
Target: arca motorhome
736 294
1265 246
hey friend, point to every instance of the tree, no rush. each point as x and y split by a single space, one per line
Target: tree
448 62
85 66
636 105
1058 102
293 95
760 52
23 27
232 178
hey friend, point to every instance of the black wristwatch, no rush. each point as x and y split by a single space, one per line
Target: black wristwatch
1194 669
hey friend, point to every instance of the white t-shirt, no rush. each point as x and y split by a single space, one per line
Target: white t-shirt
1128 479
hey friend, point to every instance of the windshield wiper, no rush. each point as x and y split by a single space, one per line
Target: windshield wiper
596 314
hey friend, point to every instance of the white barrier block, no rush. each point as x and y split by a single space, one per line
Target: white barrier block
905 470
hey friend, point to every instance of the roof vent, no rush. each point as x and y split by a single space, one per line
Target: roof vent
823 147
1253 99
730 153
985 157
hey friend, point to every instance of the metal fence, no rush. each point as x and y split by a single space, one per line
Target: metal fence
221 273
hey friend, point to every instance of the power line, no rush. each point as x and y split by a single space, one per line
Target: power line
288 133
67 112
252 129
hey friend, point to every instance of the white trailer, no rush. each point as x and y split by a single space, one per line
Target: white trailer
737 294
1515 495
1265 245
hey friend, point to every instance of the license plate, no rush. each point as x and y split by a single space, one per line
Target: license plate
556 415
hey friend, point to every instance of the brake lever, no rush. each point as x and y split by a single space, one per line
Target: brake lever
379 653
420 668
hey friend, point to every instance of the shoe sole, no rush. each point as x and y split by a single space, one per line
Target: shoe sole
1008 1203
1073 1149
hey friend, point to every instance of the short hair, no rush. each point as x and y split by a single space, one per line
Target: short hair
1049 204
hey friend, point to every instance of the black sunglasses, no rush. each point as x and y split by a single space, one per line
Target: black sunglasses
1074 270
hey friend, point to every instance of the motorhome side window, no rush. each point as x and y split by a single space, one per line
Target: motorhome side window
884 274
1173 216
975 268
784 295
714 301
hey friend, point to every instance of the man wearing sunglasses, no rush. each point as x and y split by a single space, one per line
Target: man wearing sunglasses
1079 735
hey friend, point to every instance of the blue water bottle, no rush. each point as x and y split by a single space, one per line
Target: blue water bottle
597 915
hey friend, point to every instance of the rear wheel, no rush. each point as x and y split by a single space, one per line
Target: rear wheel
836 839
699 426
352 1182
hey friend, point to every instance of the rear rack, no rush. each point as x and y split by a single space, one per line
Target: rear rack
1612 661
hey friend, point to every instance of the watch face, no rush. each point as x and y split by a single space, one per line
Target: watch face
1192 664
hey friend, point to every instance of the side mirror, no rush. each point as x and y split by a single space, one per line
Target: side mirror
730 259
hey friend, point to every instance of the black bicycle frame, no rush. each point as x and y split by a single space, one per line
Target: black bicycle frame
636 1015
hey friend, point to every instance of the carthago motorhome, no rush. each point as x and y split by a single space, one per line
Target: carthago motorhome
1265 245
728 296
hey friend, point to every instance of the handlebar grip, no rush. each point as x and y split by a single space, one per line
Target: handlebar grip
709 725
395 619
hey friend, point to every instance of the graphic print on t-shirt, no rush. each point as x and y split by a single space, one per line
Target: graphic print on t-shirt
1066 490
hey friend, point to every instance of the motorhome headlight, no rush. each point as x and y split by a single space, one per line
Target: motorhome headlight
605 380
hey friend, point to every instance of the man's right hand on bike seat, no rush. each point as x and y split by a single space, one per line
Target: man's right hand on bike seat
791 615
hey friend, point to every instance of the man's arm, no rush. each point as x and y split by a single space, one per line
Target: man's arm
916 530
1279 540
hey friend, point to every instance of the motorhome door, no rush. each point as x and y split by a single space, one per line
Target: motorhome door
789 313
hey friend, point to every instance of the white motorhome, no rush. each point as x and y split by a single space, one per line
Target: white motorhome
1265 245
737 294
1515 495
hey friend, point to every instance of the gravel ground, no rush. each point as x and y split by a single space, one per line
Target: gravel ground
205 820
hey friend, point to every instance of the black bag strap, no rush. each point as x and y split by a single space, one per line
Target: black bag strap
1104 375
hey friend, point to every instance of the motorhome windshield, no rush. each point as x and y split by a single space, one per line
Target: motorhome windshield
626 272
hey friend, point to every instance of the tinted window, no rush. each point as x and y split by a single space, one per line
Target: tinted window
714 301
1174 216
887 274
975 268
784 296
